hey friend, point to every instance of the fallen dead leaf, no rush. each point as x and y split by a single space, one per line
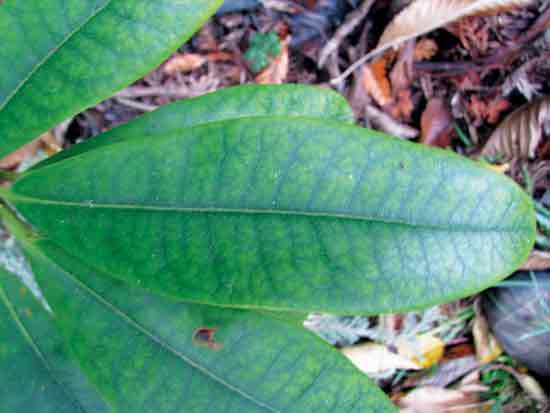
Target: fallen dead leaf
375 81
521 133
404 105
372 358
184 63
537 261
436 124
423 16
431 399
447 372
277 71
488 109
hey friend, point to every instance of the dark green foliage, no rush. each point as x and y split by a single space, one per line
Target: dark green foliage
180 252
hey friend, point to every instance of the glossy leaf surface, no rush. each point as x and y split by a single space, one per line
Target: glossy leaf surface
295 214
36 372
231 103
60 56
147 353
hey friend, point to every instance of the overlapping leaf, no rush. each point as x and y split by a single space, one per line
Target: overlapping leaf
283 213
146 353
232 103
60 56
37 373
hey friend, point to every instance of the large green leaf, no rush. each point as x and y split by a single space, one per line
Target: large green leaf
279 213
146 353
231 103
60 56
36 372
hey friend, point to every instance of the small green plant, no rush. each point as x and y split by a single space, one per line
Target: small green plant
262 47
180 253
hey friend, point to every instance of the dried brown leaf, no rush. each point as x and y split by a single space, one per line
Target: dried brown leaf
423 16
537 261
404 105
183 63
436 124
519 135
375 81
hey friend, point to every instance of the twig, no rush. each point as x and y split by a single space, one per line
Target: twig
140 92
144 107
352 20
388 124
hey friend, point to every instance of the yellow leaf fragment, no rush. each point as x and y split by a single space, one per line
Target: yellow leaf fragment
424 350
487 347
501 169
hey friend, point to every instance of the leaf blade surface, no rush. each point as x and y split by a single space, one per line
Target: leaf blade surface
38 374
60 57
146 352
293 214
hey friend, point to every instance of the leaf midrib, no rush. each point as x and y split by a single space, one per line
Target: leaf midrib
35 348
14 198
50 53
167 347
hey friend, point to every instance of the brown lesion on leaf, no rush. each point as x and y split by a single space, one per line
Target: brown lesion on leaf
204 336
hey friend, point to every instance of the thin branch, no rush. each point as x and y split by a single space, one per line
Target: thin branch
352 20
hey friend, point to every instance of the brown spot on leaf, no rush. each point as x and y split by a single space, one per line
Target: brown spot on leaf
204 336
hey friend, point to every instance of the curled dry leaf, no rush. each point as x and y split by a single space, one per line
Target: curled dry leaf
423 16
521 132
